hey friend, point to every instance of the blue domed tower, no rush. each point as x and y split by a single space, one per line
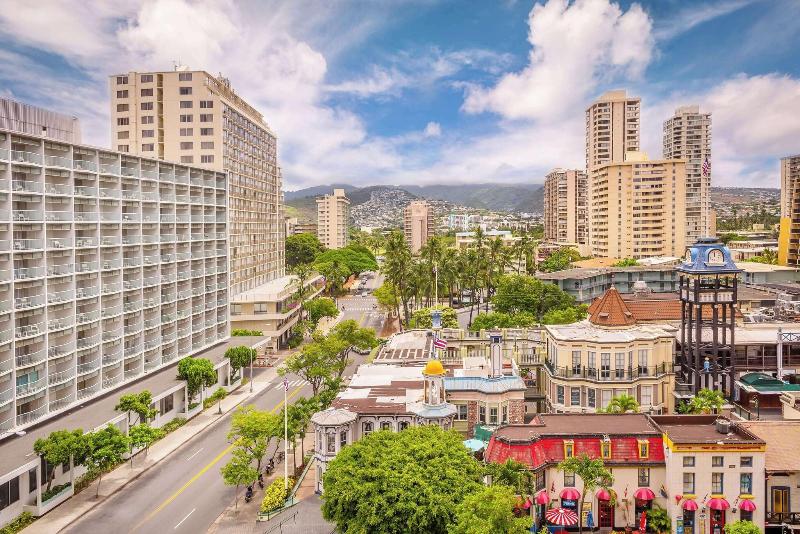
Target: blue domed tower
708 281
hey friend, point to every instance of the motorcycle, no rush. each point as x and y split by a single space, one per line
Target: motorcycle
261 480
248 495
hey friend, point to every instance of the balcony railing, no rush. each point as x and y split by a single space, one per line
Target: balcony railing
24 360
26 273
27 157
60 270
33 415
88 367
58 189
84 165
26 186
57 405
60 376
27 302
31 387
791 518
608 375
86 342
88 391
29 330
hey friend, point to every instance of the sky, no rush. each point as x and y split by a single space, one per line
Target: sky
433 91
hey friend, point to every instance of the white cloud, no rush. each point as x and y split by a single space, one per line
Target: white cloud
433 129
573 48
694 15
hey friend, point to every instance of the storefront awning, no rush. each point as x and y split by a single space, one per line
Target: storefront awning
690 505
747 505
644 494
603 495
570 494
718 504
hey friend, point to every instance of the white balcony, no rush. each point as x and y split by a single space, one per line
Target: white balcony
33 415
26 157
86 342
27 273
26 186
60 377
29 330
27 216
31 387
60 296
88 391
84 165
57 161
32 358
29 301
59 243
88 367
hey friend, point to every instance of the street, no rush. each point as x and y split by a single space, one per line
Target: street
185 493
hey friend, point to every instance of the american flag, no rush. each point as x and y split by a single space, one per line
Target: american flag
440 343
286 384
706 167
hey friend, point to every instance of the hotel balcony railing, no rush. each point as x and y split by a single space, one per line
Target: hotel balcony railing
147 173
131 262
149 239
60 296
29 330
63 269
88 367
109 168
27 216
113 380
63 323
7 365
84 165
150 281
31 387
59 242
60 403
166 176
27 157
109 217
790 518
33 415
152 364
26 186
88 391
7 395
87 342
111 311
58 216
86 216
131 217
60 377
4 154
26 273
109 241
87 317
27 302
85 191
108 335
150 303
150 195
108 192
58 351
129 171
86 292
28 244
135 350
112 358
86 266
131 239
608 375
24 360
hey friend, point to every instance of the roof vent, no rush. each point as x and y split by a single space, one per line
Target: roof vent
723 426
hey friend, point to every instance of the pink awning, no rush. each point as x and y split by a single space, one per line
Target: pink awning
718 504
570 494
747 505
644 494
542 497
690 504
603 495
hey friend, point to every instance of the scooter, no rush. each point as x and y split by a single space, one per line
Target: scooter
248 495
261 480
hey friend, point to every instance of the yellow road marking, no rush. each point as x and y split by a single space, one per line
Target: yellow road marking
206 468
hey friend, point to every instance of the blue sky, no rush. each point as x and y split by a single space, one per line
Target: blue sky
434 91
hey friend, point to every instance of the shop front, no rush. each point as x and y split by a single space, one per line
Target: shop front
717 510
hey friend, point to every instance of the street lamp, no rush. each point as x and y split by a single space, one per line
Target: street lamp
252 352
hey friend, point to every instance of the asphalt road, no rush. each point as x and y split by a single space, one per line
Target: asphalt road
185 493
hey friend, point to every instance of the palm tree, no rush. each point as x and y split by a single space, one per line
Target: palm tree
592 473
397 267
622 404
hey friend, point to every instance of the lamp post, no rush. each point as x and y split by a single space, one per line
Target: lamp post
252 352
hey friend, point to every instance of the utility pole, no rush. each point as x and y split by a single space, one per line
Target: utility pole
285 435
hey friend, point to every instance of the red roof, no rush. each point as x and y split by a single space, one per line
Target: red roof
611 310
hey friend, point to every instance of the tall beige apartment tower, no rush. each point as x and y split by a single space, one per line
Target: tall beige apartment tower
687 136
418 224
565 206
193 117
638 208
612 128
333 216
789 240
790 176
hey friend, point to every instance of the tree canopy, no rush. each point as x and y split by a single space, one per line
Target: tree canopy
489 510
199 373
705 401
422 318
742 527
396 482
623 403
252 430
107 449
593 474
239 356
59 447
626 262
520 293
138 403
559 260
302 248
355 258
318 308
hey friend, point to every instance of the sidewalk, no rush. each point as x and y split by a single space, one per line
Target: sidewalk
82 503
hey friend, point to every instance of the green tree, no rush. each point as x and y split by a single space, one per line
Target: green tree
239 357
303 272
559 260
388 482
143 435
302 248
198 373
490 509
59 447
627 262
138 403
345 336
316 362
387 298
509 473
239 471
622 404
397 268
422 318
317 309
592 473
658 520
494 320
769 256
107 449
706 401
354 258
569 315
252 431
742 527
520 293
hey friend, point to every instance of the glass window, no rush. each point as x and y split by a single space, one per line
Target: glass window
207 145
146 106
9 492
575 396
147 92
576 362
187 131
185 76
717 461
367 428
717 485
166 404
462 412
746 483
746 461
605 398
122 148
146 78
122 80
123 135
569 449
403 425
122 94
186 104
688 461
186 118
605 449
591 360
646 396
187 145
148 133
605 364
343 438
493 415
643 361
32 480
187 159
482 413
331 442
185 90
569 480
123 121
504 414
688 483
236 309
122 107
206 117
260 307
591 394
206 131
386 425
560 394
206 104
619 364
644 448
147 119
644 477
207 158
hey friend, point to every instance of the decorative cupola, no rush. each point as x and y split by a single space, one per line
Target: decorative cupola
610 310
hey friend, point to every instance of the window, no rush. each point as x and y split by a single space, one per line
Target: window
166 404
462 412
187 159
402 425
146 78
504 414
208 158
482 414
644 477
605 398
122 148
148 133
717 485
206 117
186 104
560 394
147 119
493 415
688 483
717 461
569 479
148 147
187 145
746 483
367 428
185 90
591 397
122 107
185 76
386 425
187 118
343 438
258 307
207 145
619 364
9 492
206 104
605 364
147 92
122 80
123 121
206 131
643 361
591 362
236 309
122 94
32 480
146 106
569 448
123 135
644 448
605 449
576 362
746 461
575 396
688 461
331 442
646 396
187 131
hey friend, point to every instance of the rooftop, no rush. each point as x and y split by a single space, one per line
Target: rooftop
583 273
586 331
272 290
755 267
781 438
580 425
610 310
701 429
409 346
764 383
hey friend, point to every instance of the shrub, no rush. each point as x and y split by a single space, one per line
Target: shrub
275 495
18 523
52 492
218 395
173 425
245 332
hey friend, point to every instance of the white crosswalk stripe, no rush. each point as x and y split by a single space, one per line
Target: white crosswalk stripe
292 384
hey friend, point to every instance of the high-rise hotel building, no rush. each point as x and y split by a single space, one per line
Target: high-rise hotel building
333 218
195 118
566 206
612 128
637 208
789 241
687 136
418 224
112 266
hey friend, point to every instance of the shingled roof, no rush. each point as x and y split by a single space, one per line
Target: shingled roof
611 310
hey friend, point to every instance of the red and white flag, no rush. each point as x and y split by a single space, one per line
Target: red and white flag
440 343
706 167
285 384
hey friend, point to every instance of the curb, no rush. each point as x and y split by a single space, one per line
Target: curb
104 498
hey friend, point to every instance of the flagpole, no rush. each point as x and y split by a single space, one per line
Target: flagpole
285 437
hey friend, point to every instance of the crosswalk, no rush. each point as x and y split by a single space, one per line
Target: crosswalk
292 384
360 307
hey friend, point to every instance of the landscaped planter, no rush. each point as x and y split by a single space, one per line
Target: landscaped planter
51 502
